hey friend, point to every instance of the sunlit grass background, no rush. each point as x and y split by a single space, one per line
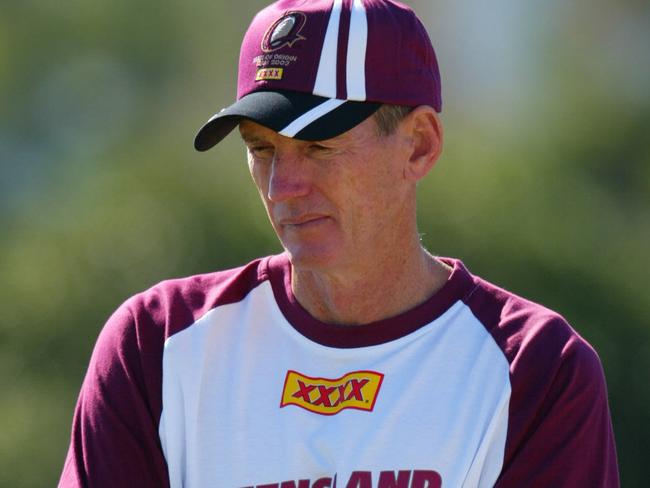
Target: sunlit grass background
543 188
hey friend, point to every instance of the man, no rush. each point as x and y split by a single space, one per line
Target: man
356 358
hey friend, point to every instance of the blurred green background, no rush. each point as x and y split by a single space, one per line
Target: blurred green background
543 188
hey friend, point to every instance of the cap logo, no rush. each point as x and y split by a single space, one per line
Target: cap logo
357 390
284 32
268 74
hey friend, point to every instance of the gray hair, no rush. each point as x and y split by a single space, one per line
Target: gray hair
388 117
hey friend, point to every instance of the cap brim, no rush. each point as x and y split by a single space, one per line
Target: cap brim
300 115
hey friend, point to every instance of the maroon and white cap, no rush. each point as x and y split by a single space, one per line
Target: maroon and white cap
313 69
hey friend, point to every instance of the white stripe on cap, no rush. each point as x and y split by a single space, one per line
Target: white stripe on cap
308 117
356 62
325 84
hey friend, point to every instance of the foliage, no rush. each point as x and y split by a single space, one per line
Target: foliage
545 192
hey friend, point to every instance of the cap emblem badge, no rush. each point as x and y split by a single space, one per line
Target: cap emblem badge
284 32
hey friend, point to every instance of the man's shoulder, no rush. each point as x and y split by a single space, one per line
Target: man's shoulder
528 332
557 410
178 301
499 308
172 305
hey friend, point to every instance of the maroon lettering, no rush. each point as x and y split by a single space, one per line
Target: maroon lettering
360 479
304 391
323 483
292 484
363 479
388 479
426 479
324 398
356 389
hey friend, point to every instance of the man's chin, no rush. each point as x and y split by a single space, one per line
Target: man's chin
311 258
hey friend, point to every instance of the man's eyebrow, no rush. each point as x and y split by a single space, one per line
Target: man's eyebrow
250 138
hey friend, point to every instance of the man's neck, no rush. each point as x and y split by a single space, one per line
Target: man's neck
375 292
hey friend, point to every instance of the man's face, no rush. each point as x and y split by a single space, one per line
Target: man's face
334 203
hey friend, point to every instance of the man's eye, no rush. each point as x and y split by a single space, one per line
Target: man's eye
319 148
261 151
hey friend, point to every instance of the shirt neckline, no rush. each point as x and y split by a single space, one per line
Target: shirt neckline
458 286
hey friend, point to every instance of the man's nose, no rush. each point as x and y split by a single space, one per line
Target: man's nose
289 177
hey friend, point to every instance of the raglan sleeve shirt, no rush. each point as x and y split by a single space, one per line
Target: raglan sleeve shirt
115 438
559 426
559 430
560 433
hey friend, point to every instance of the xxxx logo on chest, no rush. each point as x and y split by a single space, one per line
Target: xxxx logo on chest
357 390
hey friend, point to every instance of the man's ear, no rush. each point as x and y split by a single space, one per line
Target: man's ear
424 128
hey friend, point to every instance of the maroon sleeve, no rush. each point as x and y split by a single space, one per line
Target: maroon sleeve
562 435
115 438
559 427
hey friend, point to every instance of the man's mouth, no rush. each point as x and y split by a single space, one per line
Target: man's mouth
303 221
